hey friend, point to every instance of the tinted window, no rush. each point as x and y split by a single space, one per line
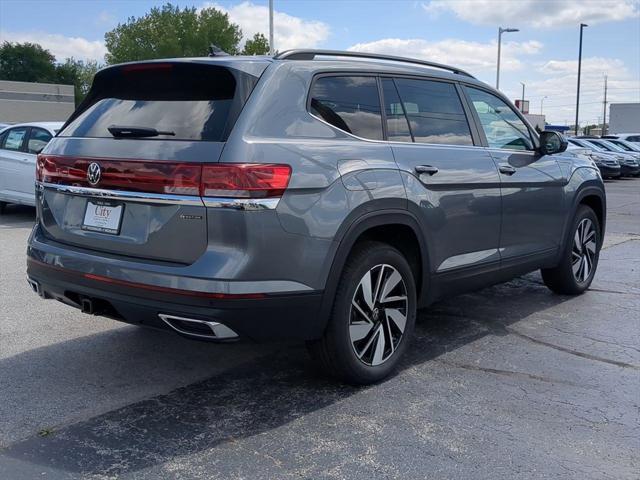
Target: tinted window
397 124
14 139
434 111
502 126
622 145
38 139
634 138
351 104
192 101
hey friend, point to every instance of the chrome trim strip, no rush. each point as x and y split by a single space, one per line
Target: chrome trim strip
241 203
141 197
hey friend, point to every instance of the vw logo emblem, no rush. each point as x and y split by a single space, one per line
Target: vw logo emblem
93 173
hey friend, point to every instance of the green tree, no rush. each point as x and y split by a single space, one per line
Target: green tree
168 31
79 74
258 45
26 62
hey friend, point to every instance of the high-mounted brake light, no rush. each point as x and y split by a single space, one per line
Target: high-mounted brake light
137 67
229 180
244 180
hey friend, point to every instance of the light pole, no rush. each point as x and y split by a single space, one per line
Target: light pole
582 25
271 49
500 32
522 99
542 100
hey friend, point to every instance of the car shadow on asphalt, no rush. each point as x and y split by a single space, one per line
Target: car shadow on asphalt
17 216
259 395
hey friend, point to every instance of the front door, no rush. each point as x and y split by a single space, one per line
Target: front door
532 184
452 185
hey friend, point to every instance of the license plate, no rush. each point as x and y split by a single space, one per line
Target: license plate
103 217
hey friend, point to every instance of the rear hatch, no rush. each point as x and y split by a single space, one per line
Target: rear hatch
123 176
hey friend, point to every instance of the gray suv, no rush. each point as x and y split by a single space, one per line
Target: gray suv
317 195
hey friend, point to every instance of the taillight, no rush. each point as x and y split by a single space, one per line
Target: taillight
233 180
244 180
129 175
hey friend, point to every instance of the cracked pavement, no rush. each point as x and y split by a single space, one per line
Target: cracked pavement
508 382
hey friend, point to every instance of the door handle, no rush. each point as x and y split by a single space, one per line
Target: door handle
426 169
507 169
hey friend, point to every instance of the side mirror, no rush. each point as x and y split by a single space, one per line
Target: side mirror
552 142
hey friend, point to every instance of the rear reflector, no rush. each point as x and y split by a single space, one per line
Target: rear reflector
233 180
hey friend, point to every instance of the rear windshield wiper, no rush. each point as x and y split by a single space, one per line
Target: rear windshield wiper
122 131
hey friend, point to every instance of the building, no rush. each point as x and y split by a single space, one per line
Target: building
624 118
536 121
35 102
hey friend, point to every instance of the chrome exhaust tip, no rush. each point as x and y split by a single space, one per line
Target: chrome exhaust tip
35 286
192 327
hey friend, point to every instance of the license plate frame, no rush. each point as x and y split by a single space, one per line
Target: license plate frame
105 218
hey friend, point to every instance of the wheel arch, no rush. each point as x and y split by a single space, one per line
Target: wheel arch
386 226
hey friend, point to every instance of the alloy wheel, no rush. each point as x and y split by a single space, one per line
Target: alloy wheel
378 314
583 253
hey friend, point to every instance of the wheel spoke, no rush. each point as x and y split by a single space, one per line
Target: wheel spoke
389 284
396 298
378 353
376 293
361 311
591 246
365 285
397 317
575 257
577 266
358 331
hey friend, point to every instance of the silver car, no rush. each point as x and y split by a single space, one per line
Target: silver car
316 195
19 146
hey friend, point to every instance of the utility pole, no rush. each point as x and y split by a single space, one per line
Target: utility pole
582 25
271 49
604 109
522 99
500 32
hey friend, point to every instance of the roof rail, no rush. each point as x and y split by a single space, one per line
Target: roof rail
303 54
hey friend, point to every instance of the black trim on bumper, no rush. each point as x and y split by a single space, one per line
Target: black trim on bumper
274 317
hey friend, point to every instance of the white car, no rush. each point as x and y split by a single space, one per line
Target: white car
19 147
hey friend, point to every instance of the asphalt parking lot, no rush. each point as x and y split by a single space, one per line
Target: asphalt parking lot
508 382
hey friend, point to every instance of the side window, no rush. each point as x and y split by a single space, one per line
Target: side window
397 124
38 139
351 104
15 139
434 111
635 138
502 127
2 137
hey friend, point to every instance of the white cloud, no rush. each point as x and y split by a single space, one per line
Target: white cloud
473 56
550 13
289 31
106 19
60 46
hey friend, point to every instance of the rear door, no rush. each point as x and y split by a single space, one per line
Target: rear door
533 209
452 184
14 167
111 188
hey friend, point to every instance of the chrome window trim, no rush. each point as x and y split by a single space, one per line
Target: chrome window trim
141 197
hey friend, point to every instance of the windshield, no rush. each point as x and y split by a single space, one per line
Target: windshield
613 146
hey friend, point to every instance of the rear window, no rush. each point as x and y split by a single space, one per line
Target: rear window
192 101
349 103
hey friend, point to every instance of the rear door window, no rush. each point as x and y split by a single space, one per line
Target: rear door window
183 101
350 103
435 112
38 139
15 139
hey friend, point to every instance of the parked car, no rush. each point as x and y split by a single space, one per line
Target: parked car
316 195
19 146
632 159
628 165
629 137
630 147
3 126
608 166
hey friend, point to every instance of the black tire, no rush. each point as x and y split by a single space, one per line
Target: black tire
562 279
2 207
335 352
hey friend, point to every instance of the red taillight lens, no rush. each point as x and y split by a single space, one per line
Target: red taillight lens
245 180
239 180
128 175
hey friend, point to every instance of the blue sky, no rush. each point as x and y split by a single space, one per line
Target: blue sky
543 54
